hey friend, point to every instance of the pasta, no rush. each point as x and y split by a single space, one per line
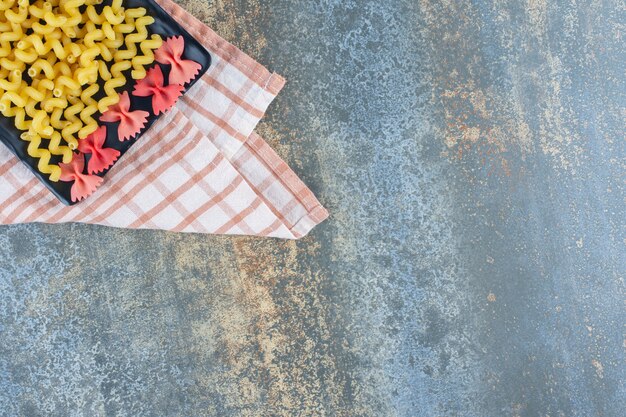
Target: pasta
101 157
170 53
61 62
131 122
84 184
163 96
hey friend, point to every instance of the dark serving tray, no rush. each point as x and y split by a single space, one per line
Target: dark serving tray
165 26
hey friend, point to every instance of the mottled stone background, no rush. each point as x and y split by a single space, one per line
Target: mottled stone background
472 156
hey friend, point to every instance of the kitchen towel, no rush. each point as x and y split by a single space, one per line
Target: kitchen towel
199 169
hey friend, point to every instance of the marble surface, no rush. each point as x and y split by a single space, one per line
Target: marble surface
471 155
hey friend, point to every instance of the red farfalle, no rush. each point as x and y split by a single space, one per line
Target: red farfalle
131 122
163 97
101 158
170 53
84 184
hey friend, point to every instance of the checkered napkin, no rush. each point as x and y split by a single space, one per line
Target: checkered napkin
200 168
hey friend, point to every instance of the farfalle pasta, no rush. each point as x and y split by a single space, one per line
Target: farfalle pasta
101 158
61 62
171 53
130 122
163 96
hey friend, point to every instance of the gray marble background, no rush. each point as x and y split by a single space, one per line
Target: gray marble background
472 156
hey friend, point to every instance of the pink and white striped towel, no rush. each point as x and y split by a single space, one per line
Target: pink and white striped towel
200 168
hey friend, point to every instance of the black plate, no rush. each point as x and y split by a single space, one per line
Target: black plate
165 26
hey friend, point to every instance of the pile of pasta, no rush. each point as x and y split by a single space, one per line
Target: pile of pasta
55 56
